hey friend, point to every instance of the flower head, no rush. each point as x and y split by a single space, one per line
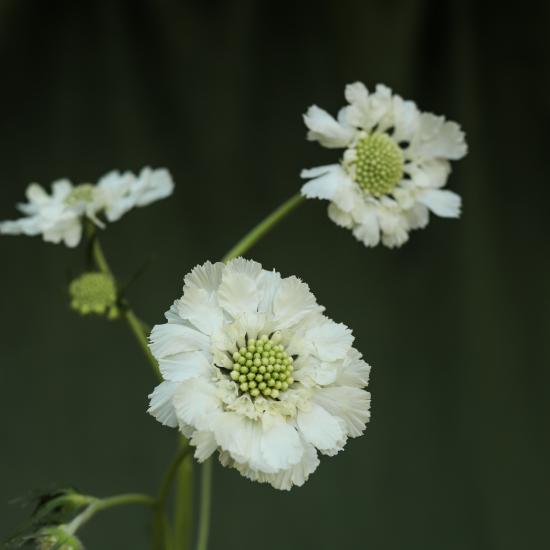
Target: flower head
59 215
94 292
394 166
254 370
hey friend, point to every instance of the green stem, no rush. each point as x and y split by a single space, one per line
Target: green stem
251 238
171 472
138 327
140 331
183 509
206 490
97 504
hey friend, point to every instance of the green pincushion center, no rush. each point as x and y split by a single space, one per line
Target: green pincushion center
263 367
379 164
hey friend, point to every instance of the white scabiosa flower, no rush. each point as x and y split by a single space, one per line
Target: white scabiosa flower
393 169
255 371
58 216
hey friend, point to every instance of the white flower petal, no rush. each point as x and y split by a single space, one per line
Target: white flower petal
201 309
405 119
325 129
161 406
283 480
438 138
205 444
325 184
431 173
280 444
186 365
443 203
352 405
339 217
417 216
153 185
238 292
197 403
169 339
367 229
330 340
292 302
207 276
311 371
354 371
321 429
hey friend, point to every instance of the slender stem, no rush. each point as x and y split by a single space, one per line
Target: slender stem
183 509
138 327
99 256
98 504
206 489
129 498
251 238
171 472
140 331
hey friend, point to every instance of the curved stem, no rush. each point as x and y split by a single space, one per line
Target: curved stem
98 504
138 327
206 489
251 238
170 474
140 331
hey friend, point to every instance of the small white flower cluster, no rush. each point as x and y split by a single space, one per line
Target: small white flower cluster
253 369
395 164
59 216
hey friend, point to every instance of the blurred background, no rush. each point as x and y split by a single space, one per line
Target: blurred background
455 324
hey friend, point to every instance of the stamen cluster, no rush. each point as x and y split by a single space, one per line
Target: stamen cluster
379 164
263 367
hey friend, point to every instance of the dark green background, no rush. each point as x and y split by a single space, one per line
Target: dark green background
455 323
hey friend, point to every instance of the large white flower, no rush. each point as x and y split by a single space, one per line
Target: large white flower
393 169
254 370
59 216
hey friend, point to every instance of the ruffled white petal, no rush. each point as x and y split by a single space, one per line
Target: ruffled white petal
326 130
170 339
312 372
329 340
441 202
207 277
339 217
354 371
321 429
186 365
438 138
197 403
238 292
352 405
326 181
205 444
160 405
201 309
152 185
292 302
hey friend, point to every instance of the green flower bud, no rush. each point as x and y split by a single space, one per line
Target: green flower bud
49 538
94 292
